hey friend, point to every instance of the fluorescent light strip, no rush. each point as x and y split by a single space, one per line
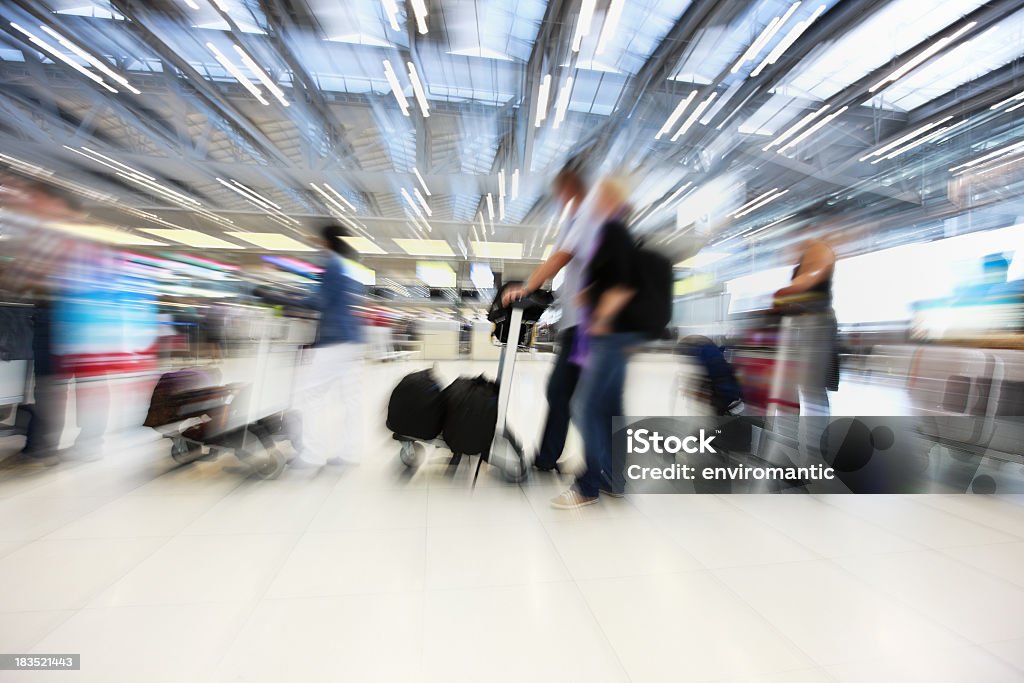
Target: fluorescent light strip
1008 100
237 73
935 47
483 226
563 102
168 193
991 155
420 10
501 183
339 196
417 89
396 89
793 129
901 140
763 202
611 23
811 130
327 197
788 41
423 202
408 198
676 114
912 145
755 200
694 116
755 47
192 4
423 183
542 100
515 184
237 190
501 207
38 42
490 206
391 9
583 22
262 75
96 63
256 194
1015 107
97 156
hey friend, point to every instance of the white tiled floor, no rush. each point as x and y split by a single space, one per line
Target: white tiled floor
157 573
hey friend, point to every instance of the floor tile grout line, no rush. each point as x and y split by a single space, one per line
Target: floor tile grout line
253 604
590 609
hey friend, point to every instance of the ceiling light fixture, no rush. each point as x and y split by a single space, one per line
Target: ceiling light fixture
391 9
254 193
767 34
917 143
758 205
330 200
39 42
417 89
611 23
420 10
928 52
423 202
396 89
1015 98
899 141
755 200
515 184
586 17
340 197
501 207
988 157
490 206
694 115
542 100
562 106
676 114
423 183
230 67
795 128
786 42
96 63
410 201
501 182
799 138
262 75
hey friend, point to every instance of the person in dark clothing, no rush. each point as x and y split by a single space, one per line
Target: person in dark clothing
601 348
570 251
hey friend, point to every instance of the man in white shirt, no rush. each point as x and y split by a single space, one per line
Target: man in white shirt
571 250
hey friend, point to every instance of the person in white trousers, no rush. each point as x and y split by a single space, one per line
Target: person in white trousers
327 427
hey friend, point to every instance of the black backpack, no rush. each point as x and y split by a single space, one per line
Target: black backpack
417 408
471 415
650 309
499 315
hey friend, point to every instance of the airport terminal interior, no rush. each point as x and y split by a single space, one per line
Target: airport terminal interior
328 329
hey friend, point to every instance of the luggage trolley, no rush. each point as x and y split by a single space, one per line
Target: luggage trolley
506 452
236 416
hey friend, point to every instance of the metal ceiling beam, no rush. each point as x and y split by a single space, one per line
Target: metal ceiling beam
148 30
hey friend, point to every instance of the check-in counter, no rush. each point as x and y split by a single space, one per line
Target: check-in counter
440 339
481 344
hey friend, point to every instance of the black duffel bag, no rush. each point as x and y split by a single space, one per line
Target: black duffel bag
471 414
417 406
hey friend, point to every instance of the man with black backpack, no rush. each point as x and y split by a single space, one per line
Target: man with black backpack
621 307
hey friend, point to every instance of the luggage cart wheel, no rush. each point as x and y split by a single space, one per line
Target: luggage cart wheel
184 452
271 465
507 454
411 453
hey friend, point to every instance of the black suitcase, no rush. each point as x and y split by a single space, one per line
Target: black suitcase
417 407
471 414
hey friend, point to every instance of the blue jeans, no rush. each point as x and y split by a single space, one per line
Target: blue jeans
598 399
561 385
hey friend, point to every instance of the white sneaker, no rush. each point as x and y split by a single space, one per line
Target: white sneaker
300 463
571 499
